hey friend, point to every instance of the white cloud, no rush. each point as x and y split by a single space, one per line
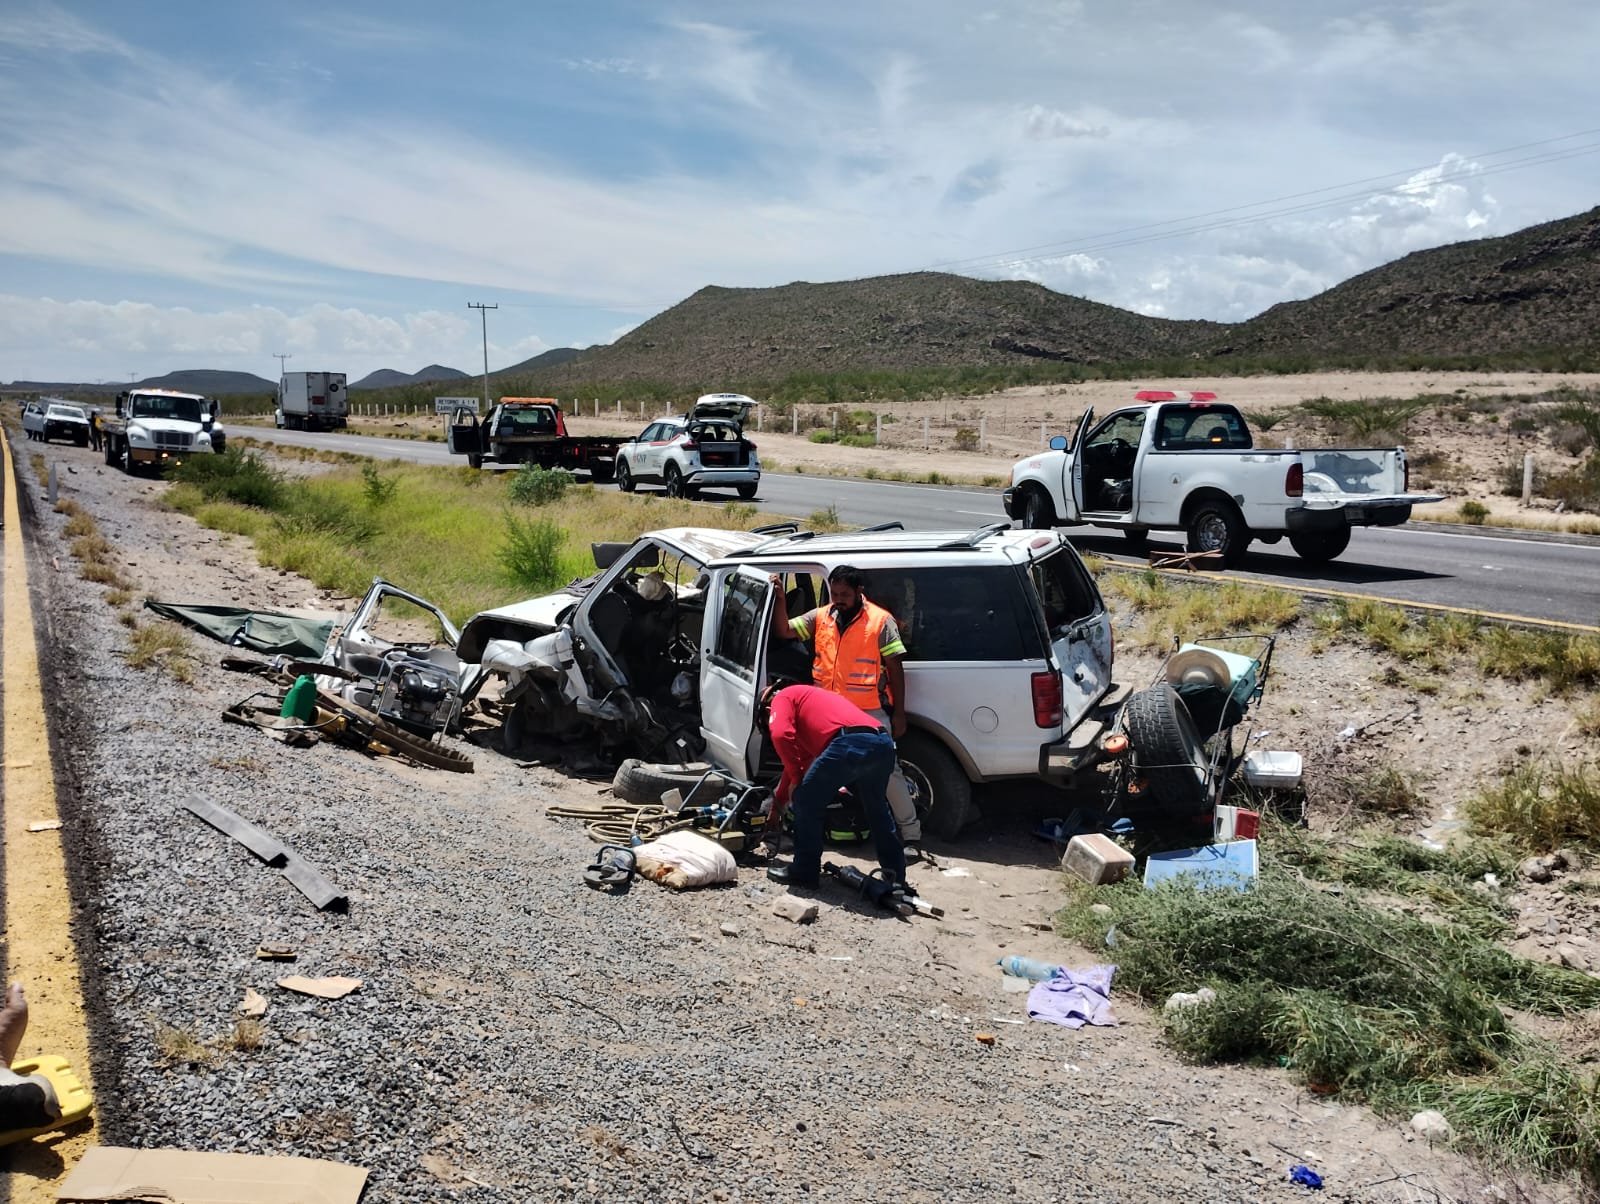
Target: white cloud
54 31
1040 122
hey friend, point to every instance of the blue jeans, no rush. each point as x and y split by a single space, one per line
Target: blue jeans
862 761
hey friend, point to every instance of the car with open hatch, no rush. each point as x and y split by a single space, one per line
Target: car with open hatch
703 449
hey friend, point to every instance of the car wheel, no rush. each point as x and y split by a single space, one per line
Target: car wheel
1138 539
624 477
1215 526
939 786
1038 513
1319 547
674 482
643 782
747 491
1167 750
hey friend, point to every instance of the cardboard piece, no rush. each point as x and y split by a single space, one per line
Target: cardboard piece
254 1003
189 1177
44 825
276 951
322 988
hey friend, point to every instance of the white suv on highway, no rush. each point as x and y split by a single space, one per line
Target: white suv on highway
704 449
1008 651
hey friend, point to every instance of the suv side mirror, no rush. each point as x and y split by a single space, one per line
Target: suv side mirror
1058 443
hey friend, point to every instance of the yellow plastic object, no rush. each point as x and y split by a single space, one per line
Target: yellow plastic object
76 1102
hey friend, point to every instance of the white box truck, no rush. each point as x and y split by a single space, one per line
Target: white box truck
312 401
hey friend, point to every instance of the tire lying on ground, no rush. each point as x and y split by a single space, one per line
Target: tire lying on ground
644 782
1167 750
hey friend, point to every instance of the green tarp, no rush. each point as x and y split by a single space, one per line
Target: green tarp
269 631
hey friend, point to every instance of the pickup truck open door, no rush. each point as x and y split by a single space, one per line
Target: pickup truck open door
1073 493
465 434
733 669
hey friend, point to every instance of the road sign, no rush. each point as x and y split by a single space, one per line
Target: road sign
449 405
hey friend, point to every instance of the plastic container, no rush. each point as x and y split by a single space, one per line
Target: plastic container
1027 967
1096 859
300 703
1272 769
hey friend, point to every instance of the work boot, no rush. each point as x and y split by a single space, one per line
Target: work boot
784 875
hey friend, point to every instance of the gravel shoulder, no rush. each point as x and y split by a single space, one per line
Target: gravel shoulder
520 1037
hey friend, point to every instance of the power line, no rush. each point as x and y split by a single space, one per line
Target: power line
1148 231
281 357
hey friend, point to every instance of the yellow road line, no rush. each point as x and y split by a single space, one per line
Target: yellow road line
1315 591
39 949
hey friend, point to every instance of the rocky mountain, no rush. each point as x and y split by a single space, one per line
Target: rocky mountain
210 382
388 378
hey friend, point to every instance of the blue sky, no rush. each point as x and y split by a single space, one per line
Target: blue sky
190 185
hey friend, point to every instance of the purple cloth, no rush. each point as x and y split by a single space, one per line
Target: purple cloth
1074 997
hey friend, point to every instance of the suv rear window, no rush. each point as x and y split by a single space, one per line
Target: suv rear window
1195 427
981 613
1065 588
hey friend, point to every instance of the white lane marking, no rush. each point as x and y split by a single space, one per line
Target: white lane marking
1543 543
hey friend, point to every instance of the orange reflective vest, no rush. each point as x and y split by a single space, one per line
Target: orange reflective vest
849 664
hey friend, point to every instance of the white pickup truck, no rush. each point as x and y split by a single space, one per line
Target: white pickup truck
1186 462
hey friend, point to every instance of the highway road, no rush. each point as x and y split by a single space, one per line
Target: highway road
1524 576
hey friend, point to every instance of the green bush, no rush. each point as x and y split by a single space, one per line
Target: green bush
822 435
532 485
1542 805
234 476
1474 513
376 487
531 553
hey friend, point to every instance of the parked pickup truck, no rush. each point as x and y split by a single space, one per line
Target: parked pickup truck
1186 462
530 430
664 653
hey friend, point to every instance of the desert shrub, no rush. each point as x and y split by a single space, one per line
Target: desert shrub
1542 804
1473 512
375 487
1394 1009
533 485
822 435
235 476
1577 488
531 551
1379 790
965 439
1262 420
1585 416
859 439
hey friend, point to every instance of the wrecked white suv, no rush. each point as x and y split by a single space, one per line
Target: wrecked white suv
663 655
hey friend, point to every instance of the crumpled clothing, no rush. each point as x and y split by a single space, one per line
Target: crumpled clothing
1074 997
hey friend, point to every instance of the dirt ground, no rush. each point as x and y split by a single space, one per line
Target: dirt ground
1345 709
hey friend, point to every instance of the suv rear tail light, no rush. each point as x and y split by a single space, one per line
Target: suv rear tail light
689 445
1047 699
1295 483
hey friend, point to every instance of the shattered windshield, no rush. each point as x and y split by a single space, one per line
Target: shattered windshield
185 409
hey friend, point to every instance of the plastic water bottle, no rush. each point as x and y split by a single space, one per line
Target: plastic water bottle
1027 967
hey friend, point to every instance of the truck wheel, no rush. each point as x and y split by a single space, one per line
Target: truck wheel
747 491
599 474
644 783
674 482
474 460
624 477
1138 539
125 459
1215 526
1038 512
1319 547
1167 751
109 451
939 786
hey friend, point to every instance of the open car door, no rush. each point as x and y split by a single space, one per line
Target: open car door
465 435
733 664
1074 485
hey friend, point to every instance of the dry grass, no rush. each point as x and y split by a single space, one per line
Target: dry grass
249 1035
179 1046
164 644
120 596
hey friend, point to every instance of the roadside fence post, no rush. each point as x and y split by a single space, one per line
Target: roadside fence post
758 419
794 421
877 427
925 440
1527 478
983 437
52 482
836 422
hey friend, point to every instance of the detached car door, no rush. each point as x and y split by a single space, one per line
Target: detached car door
733 669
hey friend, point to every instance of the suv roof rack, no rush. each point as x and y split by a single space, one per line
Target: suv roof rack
791 536
776 528
894 524
977 537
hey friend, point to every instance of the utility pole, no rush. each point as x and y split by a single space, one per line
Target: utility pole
483 313
280 357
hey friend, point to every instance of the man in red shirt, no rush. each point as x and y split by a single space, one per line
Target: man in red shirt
827 743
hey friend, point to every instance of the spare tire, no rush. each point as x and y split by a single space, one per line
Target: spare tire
1167 750
644 782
